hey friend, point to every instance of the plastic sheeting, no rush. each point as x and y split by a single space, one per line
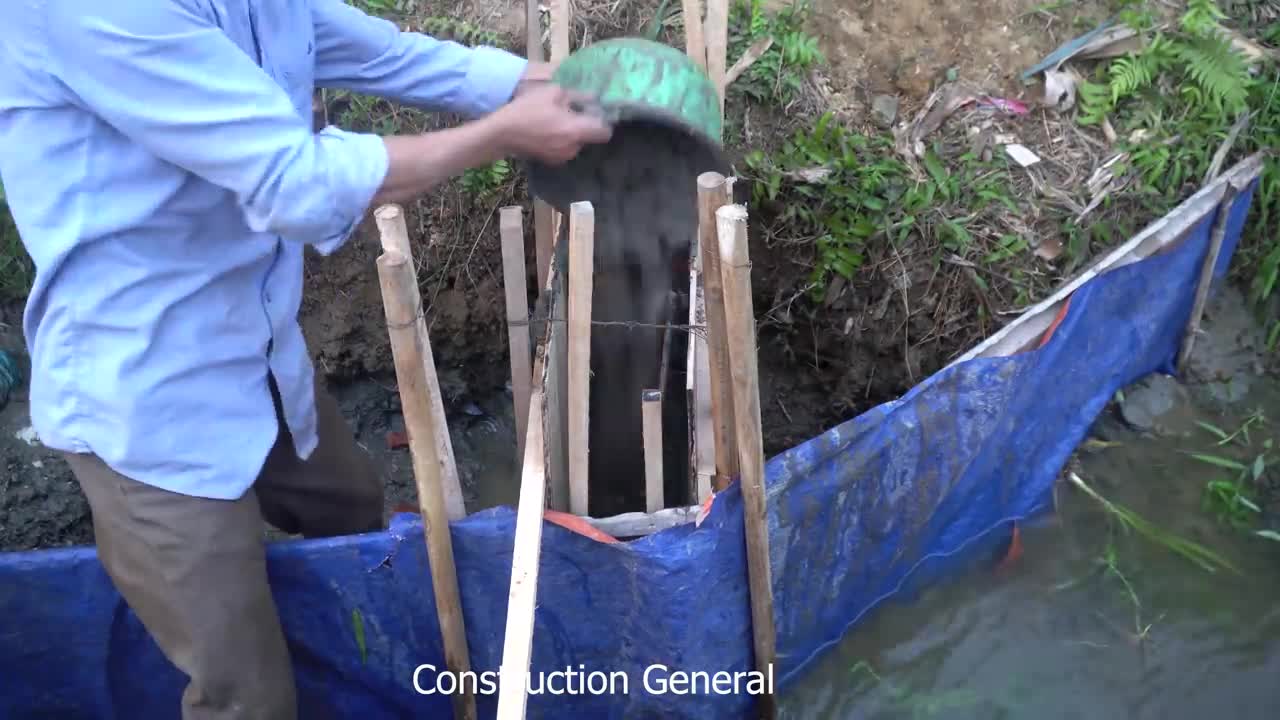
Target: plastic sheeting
887 499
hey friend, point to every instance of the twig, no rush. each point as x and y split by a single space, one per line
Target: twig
744 63
1224 149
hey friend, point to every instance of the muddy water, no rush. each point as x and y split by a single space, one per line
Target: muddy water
1058 634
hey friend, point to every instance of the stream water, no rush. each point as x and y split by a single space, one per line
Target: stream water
1090 621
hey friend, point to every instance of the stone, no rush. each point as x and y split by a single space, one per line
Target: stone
885 108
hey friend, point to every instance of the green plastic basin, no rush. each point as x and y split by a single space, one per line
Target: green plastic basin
640 85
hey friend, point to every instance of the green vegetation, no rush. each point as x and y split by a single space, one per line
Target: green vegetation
1233 499
1173 103
1202 556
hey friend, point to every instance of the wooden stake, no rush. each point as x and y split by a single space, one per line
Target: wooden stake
651 414
511 227
717 39
739 313
560 19
410 347
1216 237
714 192
694 43
395 238
581 272
533 31
544 238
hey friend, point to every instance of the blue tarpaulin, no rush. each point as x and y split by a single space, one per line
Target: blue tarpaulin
884 502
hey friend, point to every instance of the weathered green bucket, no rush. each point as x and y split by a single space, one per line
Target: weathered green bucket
638 84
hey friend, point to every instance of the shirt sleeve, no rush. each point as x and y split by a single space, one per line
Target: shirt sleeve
369 55
168 78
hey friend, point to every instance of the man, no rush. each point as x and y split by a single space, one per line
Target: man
163 171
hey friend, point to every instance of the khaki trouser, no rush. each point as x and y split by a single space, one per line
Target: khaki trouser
194 571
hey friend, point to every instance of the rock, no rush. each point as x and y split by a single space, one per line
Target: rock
885 108
1158 404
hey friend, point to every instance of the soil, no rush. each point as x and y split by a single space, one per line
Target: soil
907 47
820 363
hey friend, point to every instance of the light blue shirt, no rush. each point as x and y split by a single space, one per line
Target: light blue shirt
161 165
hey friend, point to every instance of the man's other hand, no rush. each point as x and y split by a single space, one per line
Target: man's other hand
550 124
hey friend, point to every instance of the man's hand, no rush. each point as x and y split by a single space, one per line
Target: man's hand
550 124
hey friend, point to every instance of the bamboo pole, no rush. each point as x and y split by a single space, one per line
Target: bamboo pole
714 192
511 228
694 42
716 32
581 272
651 415
740 330
395 238
409 345
1216 238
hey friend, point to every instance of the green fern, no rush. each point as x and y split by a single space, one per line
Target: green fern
1219 70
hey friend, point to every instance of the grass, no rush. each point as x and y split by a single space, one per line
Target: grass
1196 553
1233 499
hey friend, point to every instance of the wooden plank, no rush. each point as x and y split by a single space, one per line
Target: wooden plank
522 598
1027 329
560 22
555 378
735 268
581 273
544 239
533 32
409 344
651 418
695 44
1216 237
395 238
511 230
543 469
702 445
714 192
716 32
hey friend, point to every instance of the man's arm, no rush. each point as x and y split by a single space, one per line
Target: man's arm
369 55
167 78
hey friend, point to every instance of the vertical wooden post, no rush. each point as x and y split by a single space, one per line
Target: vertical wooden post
717 39
714 192
395 238
1217 235
694 43
511 229
543 235
651 416
581 272
740 326
409 344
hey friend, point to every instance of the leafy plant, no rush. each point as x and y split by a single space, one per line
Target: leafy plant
482 183
1213 74
778 75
